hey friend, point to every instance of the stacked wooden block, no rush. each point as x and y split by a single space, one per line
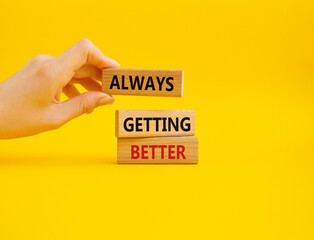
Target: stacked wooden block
156 136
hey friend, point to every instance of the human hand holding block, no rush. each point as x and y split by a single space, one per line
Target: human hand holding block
30 99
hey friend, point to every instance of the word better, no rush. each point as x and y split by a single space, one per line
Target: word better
150 151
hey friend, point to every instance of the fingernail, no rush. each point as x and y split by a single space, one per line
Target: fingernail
106 100
104 95
115 63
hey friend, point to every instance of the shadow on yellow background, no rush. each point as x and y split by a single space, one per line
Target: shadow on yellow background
248 76
61 160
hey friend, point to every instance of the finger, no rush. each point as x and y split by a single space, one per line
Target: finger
70 91
89 84
89 70
58 95
83 51
84 103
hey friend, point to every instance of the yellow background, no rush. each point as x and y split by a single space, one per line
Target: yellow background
249 75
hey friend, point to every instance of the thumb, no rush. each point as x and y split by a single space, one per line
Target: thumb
84 103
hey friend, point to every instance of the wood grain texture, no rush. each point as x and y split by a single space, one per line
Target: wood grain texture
183 150
154 123
143 82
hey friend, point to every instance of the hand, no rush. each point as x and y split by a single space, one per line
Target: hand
30 99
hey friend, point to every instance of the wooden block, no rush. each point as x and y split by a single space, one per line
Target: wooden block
143 82
143 123
158 150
